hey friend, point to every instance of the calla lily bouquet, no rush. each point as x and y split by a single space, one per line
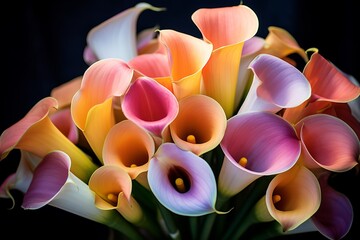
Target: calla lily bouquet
170 136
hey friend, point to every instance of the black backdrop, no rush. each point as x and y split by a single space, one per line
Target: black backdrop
42 47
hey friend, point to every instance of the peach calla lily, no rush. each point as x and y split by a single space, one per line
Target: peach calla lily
65 92
53 184
227 28
92 104
150 105
256 144
182 181
328 143
37 134
276 84
187 58
200 124
292 197
116 37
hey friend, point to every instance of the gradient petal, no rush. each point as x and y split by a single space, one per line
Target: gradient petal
116 37
276 85
227 28
201 118
267 142
65 92
328 142
187 57
150 105
62 119
196 196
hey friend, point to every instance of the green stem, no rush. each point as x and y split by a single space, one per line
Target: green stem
273 229
193 221
124 227
167 216
249 220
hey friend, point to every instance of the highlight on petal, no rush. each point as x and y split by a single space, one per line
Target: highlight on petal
187 57
327 82
65 92
276 85
37 134
328 142
292 197
256 144
150 105
200 124
182 181
227 28
102 81
129 147
335 215
116 37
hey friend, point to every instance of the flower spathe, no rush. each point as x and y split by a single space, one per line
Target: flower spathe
182 181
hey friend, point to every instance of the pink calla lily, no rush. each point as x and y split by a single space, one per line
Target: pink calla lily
150 105
187 57
116 37
62 119
53 184
292 197
92 105
227 28
37 134
276 85
328 143
200 124
182 181
256 144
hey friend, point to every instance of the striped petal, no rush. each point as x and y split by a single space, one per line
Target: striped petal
150 105
328 142
200 124
91 106
227 28
256 144
276 85
187 57
116 37
182 181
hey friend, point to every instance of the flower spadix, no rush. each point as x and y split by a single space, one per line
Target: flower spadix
129 147
116 37
53 184
276 84
256 144
292 197
227 28
328 143
150 105
200 124
92 105
37 134
182 181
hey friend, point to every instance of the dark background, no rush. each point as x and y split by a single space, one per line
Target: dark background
42 47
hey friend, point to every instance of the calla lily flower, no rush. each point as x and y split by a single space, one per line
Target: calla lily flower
129 147
150 105
92 105
335 216
182 181
276 85
187 58
227 28
256 144
53 184
200 124
328 143
37 134
292 197
116 37
63 121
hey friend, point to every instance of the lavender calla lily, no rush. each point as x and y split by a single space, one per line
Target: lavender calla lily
276 84
182 181
256 144
150 105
